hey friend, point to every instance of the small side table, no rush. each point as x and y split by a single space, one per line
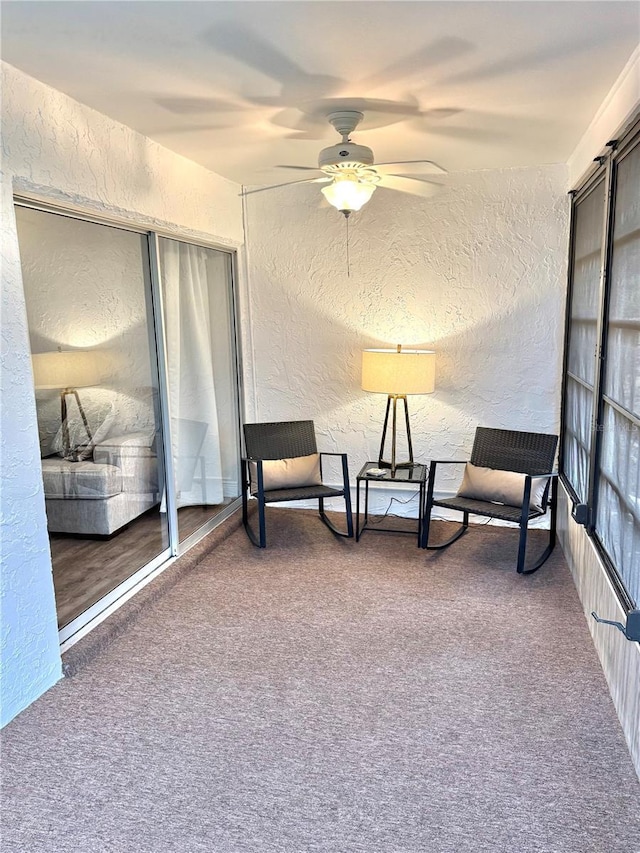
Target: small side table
416 475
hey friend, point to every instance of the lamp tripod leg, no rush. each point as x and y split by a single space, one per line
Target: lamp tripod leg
406 418
393 436
384 433
64 417
82 414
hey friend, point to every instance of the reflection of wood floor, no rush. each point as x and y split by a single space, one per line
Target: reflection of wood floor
85 570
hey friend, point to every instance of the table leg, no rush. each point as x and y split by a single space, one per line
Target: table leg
421 509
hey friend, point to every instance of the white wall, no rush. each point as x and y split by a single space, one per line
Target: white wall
29 637
477 273
55 148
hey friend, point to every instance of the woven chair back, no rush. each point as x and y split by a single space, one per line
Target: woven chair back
511 450
280 440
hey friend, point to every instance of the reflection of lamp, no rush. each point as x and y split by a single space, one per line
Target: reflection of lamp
348 193
67 371
398 373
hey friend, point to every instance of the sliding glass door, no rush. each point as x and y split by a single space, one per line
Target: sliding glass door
88 298
201 361
133 344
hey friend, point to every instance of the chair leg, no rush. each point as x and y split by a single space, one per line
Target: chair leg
552 535
459 532
426 524
330 525
522 546
262 522
261 540
347 504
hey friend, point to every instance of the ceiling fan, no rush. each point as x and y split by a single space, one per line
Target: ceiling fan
350 174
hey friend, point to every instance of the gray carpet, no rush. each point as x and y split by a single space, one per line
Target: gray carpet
329 696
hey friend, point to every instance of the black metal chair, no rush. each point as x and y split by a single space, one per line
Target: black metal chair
528 453
287 440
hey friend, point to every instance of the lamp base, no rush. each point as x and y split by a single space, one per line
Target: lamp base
393 465
383 463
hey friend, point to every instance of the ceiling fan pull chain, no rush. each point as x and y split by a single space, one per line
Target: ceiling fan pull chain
348 264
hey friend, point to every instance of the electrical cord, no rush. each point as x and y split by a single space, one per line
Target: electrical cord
388 514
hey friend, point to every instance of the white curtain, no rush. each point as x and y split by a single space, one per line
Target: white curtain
188 273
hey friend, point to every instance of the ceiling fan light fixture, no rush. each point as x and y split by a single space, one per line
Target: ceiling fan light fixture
347 194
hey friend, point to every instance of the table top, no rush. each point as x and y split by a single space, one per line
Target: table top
416 474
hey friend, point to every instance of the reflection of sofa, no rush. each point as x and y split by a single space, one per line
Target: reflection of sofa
99 496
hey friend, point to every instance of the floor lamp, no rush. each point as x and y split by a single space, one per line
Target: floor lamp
397 373
67 371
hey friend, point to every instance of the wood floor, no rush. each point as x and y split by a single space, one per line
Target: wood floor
85 570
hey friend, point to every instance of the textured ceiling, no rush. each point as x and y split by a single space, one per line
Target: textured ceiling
243 86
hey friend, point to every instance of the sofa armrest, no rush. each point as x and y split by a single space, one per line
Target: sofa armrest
135 457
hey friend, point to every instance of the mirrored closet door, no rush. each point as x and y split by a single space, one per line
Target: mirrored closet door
100 346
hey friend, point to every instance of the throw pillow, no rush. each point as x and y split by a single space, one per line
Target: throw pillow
505 487
287 473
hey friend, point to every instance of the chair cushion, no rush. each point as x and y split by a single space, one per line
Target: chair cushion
64 479
287 473
505 487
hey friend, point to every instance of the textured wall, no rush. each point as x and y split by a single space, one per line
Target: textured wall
477 273
58 149
65 151
28 630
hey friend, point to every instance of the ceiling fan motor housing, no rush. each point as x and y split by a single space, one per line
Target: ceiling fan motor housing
345 155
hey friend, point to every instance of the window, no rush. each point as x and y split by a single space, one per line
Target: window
600 461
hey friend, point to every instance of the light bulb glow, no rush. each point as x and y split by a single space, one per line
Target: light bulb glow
347 193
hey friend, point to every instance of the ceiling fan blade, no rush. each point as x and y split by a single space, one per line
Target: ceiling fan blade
241 44
439 51
438 113
475 134
287 184
377 112
413 186
517 62
185 106
303 126
432 166
191 128
300 168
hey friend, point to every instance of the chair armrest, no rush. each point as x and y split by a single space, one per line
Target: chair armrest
433 463
344 466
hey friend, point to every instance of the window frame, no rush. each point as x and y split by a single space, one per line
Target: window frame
606 167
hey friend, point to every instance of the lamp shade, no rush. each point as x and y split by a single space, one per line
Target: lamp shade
70 369
398 371
348 193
